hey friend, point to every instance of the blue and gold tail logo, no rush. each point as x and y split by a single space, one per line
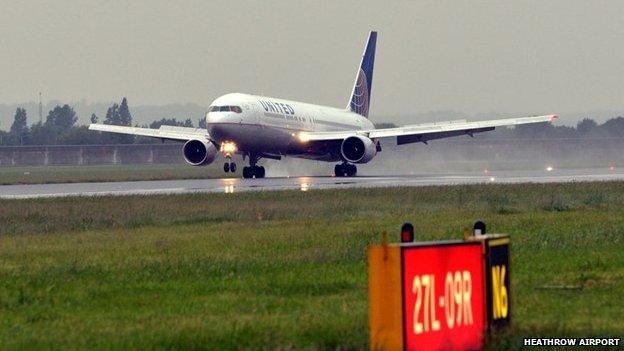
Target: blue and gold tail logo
360 96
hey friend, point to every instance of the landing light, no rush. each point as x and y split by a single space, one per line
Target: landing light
549 168
303 137
228 147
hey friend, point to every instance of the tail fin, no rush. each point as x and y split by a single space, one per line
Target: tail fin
360 96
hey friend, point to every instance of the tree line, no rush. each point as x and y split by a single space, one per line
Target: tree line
584 129
60 128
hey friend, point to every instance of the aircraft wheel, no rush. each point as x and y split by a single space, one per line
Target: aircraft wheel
247 172
259 172
226 167
232 167
340 170
351 170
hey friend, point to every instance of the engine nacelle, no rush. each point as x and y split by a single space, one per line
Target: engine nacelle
358 149
199 152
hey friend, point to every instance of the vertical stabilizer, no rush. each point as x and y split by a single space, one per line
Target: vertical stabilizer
360 96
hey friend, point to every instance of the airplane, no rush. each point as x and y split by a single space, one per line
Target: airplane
259 127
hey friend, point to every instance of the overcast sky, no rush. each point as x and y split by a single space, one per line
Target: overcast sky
473 56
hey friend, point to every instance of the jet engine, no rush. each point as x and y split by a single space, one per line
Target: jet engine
358 149
199 152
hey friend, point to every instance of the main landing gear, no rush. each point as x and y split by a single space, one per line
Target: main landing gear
345 170
253 171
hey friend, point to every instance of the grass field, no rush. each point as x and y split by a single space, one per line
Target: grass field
286 270
104 173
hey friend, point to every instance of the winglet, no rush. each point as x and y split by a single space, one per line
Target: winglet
553 117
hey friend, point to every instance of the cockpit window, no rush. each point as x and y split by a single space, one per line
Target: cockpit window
236 109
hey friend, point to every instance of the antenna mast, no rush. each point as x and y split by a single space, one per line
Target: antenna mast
40 109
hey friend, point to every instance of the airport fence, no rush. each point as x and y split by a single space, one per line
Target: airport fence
580 151
49 155
573 152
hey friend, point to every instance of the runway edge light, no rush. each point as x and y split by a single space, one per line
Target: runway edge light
407 232
479 228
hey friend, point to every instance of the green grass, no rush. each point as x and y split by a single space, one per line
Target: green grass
285 270
105 173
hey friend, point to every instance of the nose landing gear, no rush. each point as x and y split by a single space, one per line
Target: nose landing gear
229 166
228 148
345 170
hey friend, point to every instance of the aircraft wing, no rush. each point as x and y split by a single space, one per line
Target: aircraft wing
423 132
164 132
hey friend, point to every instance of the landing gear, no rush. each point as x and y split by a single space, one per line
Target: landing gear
345 170
229 166
253 171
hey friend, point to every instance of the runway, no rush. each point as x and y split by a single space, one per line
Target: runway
235 185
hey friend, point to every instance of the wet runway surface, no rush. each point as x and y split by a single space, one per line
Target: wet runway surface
234 185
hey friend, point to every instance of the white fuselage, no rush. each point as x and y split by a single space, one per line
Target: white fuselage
265 125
